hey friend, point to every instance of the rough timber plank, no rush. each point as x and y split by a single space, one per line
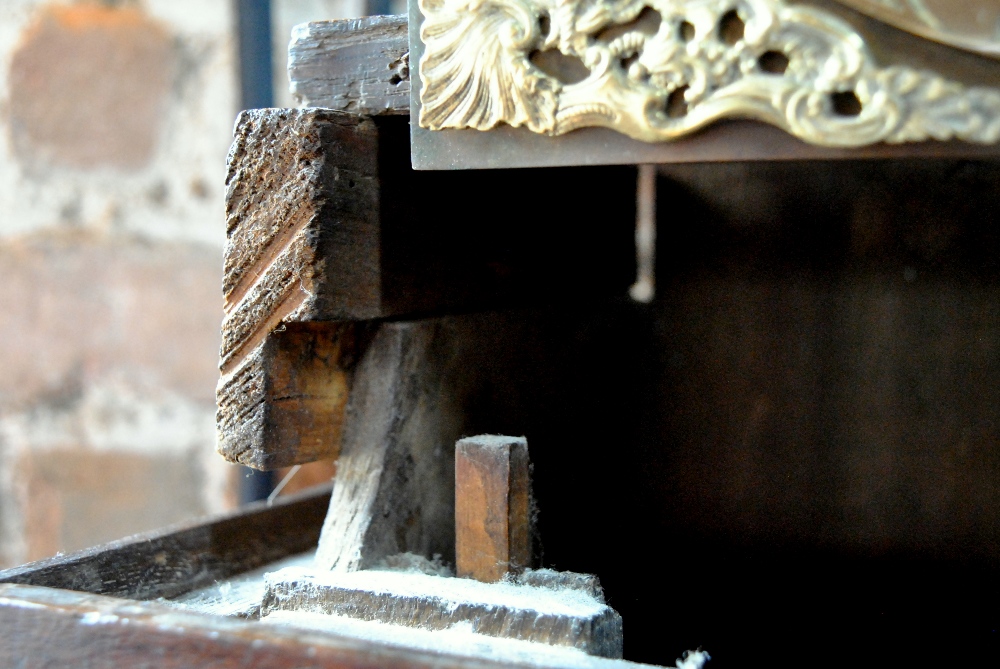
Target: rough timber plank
302 216
327 223
555 617
170 562
492 507
354 65
43 627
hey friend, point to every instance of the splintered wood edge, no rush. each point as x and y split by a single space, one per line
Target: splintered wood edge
286 166
302 185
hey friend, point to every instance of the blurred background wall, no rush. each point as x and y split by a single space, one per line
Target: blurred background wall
115 121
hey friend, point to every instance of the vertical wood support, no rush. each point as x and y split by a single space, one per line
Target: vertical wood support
492 507
392 488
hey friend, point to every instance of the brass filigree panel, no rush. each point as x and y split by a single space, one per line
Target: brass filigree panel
658 70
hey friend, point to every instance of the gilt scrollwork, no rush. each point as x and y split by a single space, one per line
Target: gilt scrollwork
658 70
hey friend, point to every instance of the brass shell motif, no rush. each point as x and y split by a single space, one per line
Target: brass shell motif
657 70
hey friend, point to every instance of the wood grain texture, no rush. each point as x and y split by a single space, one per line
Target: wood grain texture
389 496
302 191
179 559
44 627
492 507
353 65
328 223
302 197
284 404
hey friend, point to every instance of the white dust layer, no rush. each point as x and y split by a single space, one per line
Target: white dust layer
457 640
451 592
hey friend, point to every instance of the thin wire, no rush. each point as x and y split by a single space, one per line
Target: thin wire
277 489
644 288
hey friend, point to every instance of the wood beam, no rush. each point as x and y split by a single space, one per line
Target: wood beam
43 627
361 66
328 225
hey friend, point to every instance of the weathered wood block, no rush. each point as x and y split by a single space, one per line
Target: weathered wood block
290 390
557 617
302 224
360 66
492 507
302 197
327 223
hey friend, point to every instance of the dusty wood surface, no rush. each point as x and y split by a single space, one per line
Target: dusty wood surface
559 618
43 627
354 65
239 596
492 507
328 223
176 560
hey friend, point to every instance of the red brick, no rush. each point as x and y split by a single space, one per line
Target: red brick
88 87
78 307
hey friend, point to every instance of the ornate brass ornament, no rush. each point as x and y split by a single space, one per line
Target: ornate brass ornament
657 70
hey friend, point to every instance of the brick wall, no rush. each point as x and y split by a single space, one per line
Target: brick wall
115 120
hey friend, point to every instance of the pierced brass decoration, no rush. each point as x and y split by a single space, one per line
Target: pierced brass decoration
657 70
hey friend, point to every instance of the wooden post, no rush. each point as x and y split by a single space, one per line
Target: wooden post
492 507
